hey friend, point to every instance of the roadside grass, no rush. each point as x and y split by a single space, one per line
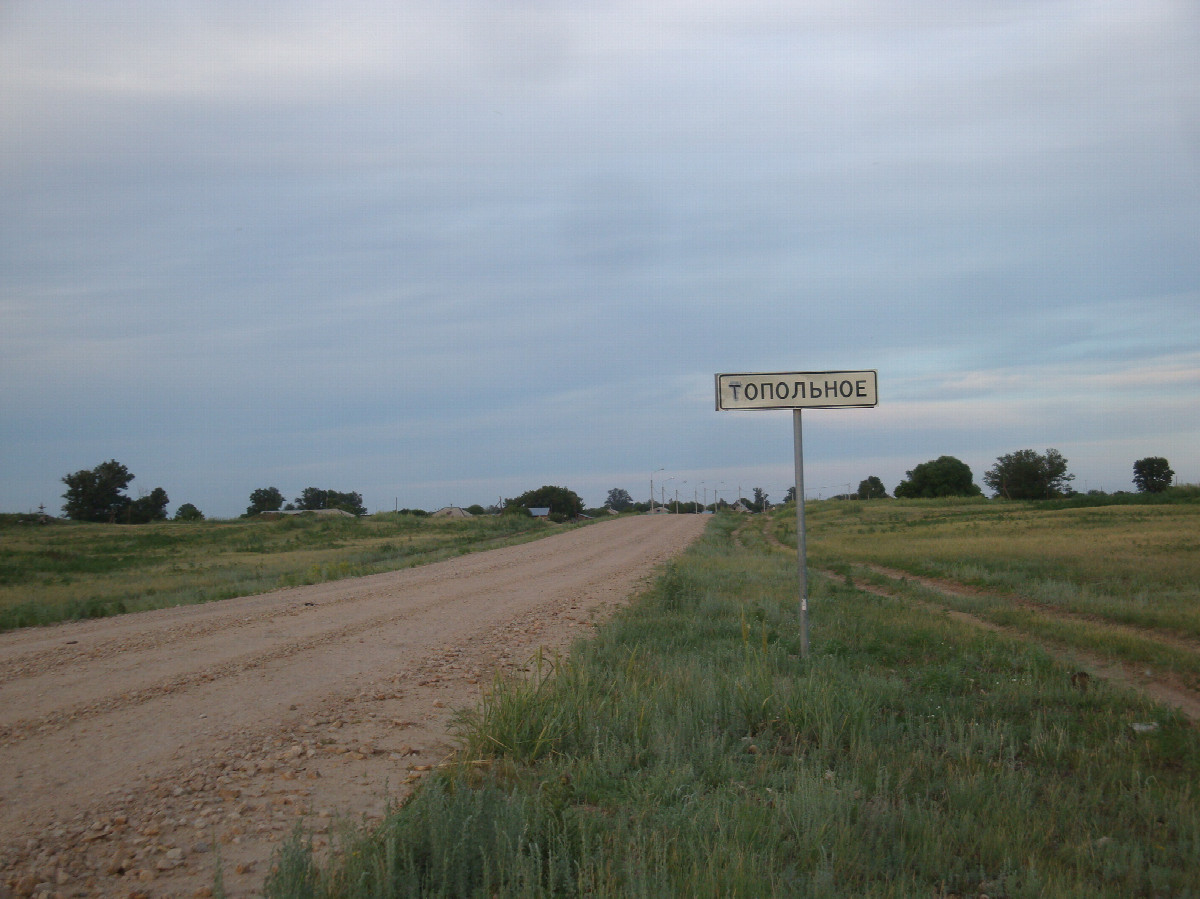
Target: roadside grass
687 749
68 571
1129 564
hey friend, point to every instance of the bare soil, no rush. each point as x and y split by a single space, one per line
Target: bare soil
140 755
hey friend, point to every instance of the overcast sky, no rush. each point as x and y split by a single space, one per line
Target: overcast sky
442 252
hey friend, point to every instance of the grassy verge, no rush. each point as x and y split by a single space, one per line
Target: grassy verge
63 572
689 750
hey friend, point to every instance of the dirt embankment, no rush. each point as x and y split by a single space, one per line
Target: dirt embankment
142 754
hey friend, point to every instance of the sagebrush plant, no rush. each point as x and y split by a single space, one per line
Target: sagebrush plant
688 749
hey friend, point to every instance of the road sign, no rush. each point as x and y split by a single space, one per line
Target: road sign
797 390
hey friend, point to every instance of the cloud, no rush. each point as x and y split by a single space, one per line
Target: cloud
464 243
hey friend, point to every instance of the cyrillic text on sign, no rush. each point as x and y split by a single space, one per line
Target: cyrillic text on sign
797 390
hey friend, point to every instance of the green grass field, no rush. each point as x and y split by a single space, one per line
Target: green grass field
1122 581
1136 564
689 750
66 571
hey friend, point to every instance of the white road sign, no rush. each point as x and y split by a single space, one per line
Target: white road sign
797 390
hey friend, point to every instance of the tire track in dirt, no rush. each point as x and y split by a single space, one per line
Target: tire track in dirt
23 661
956 588
1164 689
178 766
1160 688
257 647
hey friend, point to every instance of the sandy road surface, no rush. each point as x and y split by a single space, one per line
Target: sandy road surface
138 753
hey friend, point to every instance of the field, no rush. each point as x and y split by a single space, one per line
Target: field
977 717
1120 583
69 571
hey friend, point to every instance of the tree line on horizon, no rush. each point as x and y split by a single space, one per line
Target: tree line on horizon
98 494
311 499
1022 475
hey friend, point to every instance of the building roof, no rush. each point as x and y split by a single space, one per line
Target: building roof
336 513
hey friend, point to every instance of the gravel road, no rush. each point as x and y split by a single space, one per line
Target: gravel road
139 754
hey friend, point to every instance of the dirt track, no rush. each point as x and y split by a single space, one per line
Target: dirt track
139 753
1160 686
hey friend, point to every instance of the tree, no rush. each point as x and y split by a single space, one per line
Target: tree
265 499
943 476
790 496
759 503
152 507
348 502
1027 474
313 499
619 499
1152 474
96 495
564 504
872 488
188 512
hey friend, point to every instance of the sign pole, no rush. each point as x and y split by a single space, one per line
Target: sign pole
797 390
801 541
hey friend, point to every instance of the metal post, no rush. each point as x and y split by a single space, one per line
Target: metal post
801 542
